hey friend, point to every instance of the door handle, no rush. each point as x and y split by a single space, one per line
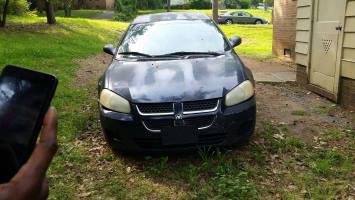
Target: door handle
339 28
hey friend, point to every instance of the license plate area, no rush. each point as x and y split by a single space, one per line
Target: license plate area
179 135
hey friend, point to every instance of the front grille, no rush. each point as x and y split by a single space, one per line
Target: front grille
203 140
200 105
156 108
168 108
159 124
199 122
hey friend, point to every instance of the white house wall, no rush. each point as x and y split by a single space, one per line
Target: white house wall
348 57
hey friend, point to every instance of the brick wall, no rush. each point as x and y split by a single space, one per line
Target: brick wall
347 97
284 33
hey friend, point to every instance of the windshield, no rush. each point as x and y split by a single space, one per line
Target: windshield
168 37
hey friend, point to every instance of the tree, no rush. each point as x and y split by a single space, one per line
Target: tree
50 12
168 7
67 4
215 10
255 3
126 9
4 13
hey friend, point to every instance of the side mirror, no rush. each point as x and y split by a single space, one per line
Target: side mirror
109 49
235 41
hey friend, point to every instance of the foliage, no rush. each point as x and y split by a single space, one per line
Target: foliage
255 3
231 4
80 13
200 4
126 9
150 4
244 4
16 7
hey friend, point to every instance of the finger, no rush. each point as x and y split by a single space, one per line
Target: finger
45 190
36 166
49 132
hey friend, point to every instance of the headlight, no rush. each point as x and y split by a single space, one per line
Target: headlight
114 102
240 93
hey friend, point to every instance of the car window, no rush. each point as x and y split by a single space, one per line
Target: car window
235 14
245 14
167 37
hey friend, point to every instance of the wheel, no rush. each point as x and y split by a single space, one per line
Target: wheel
258 22
229 22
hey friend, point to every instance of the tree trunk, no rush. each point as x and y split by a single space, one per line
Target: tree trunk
67 10
3 20
265 5
215 10
50 12
168 8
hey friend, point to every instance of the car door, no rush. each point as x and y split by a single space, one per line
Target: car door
237 18
246 18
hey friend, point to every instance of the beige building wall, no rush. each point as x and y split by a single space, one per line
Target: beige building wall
347 62
284 20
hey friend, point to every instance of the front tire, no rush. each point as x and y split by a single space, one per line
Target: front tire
229 22
258 22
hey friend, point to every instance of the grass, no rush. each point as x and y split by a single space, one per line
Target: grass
80 13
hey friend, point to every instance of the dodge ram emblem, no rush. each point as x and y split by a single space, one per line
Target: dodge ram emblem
178 117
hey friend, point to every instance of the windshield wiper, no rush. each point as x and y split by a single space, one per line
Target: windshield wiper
134 53
186 53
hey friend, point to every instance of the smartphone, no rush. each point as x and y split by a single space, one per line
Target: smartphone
25 97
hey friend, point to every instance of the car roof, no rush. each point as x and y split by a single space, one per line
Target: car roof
169 16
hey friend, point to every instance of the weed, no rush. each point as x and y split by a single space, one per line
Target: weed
324 110
160 165
299 113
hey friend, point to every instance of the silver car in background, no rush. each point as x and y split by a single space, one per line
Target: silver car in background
240 17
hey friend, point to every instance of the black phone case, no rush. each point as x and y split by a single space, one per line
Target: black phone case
9 163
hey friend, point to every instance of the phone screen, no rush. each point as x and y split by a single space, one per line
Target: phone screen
21 105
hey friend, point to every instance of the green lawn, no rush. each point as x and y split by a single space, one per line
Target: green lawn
80 13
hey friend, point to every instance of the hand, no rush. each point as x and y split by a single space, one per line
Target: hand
30 182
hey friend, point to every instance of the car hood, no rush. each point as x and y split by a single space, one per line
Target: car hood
175 80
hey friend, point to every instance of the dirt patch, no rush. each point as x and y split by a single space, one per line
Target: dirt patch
303 113
91 69
268 65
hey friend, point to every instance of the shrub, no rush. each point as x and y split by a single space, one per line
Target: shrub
16 7
244 4
200 4
126 10
180 7
150 4
231 4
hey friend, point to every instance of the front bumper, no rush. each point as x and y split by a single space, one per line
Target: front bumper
231 125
